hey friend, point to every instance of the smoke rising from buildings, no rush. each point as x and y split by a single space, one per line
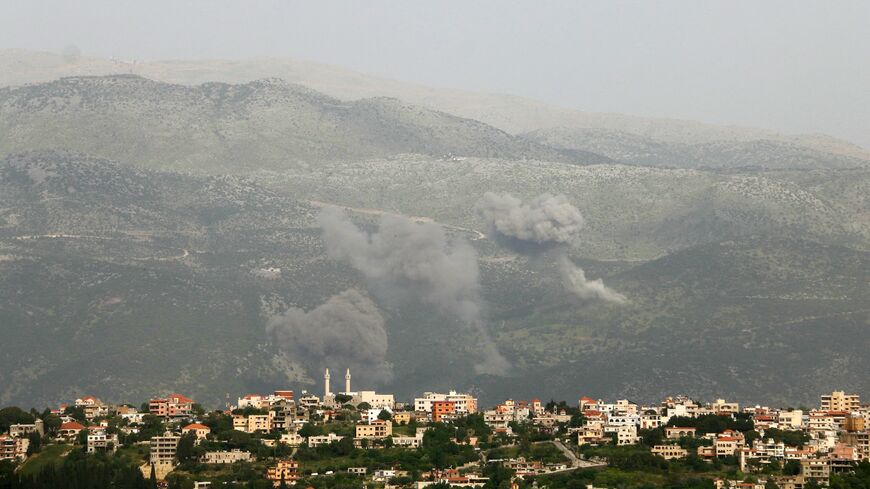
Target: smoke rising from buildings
347 329
549 223
402 256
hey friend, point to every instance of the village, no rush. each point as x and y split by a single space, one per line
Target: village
369 439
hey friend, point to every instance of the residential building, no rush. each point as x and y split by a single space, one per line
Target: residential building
100 442
378 429
674 432
69 430
13 448
201 431
283 470
839 401
316 441
163 448
669 452
463 403
440 409
226 457
173 406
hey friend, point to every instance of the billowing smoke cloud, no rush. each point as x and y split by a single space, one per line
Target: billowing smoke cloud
546 220
404 255
549 222
346 330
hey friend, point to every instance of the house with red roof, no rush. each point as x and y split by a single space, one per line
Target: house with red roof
70 430
201 431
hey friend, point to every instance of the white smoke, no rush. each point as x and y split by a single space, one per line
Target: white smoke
403 255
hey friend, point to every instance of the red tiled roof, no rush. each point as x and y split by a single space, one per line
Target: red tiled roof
196 426
72 425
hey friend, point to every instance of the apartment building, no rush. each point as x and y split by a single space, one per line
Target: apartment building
463 403
163 448
173 406
378 429
839 401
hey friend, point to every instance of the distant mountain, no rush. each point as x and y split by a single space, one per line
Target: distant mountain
507 112
724 154
220 128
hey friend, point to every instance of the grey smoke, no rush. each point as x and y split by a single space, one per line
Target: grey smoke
547 222
347 330
574 279
404 255
548 219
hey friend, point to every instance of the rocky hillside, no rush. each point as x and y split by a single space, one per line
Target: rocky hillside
219 128
719 154
507 112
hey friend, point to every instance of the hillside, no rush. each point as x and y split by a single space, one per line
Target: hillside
219 128
507 112
724 154
167 281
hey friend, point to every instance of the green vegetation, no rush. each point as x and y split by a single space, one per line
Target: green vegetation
76 470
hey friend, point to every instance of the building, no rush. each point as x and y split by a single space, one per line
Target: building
839 401
92 407
377 430
100 442
440 409
675 432
252 423
402 417
12 448
669 452
316 441
173 406
463 403
22 430
201 431
284 470
163 448
291 439
373 399
226 457
69 430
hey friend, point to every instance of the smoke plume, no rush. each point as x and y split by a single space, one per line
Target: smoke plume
347 329
548 222
575 281
403 255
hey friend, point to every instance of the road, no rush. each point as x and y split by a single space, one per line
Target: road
575 462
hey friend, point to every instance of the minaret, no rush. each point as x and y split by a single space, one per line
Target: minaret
326 392
347 382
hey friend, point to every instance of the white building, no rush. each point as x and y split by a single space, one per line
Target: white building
464 403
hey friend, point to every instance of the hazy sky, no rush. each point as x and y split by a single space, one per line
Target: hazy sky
792 65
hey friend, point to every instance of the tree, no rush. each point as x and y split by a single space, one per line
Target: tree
35 443
13 415
184 452
82 438
770 484
385 415
364 406
342 399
